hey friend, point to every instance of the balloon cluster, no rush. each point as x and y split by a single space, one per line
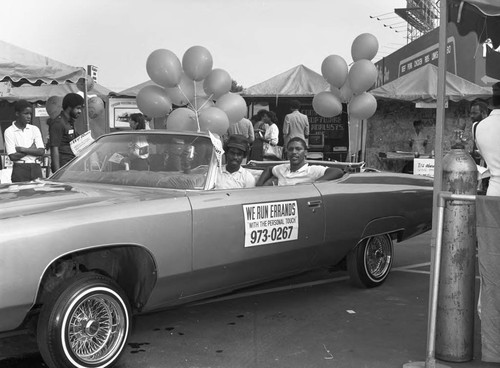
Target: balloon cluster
350 85
175 84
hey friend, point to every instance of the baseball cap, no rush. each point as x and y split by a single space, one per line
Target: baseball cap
238 141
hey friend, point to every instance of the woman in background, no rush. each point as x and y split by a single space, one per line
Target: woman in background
137 121
262 120
272 134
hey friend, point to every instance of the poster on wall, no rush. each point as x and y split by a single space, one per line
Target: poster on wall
120 110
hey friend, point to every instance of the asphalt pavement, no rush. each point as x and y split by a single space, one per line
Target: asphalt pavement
314 320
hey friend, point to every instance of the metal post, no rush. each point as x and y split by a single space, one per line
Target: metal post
86 102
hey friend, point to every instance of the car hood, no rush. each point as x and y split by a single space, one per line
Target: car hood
25 199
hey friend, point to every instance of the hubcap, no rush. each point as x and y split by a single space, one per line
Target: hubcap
96 328
378 256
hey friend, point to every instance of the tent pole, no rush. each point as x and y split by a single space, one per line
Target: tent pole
440 115
438 175
86 101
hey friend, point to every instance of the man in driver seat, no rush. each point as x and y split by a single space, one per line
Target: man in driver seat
232 175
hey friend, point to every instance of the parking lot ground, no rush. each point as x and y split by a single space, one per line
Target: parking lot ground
314 320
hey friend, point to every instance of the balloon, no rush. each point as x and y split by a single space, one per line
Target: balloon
217 83
334 69
365 46
183 93
95 106
233 105
153 101
200 103
214 120
335 91
326 104
362 75
54 106
362 106
197 62
164 68
81 84
182 119
346 92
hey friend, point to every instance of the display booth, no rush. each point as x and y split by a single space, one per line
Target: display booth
329 137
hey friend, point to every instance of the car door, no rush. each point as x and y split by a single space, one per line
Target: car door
241 236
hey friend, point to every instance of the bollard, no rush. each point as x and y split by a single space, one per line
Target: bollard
455 302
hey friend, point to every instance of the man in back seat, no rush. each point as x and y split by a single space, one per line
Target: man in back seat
232 175
297 170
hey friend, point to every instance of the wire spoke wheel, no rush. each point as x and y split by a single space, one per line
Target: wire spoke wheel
378 256
370 262
94 328
84 324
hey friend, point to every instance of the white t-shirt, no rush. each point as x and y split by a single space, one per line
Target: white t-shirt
15 137
306 174
238 179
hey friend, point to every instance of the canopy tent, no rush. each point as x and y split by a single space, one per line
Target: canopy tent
299 81
420 85
42 93
479 16
19 66
133 91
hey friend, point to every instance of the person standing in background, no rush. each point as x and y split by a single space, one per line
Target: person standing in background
137 121
296 124
272 134
488 142
418 142
24 144
243 127
478 112
62 131
259 127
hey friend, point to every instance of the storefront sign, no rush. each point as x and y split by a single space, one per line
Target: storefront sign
430 55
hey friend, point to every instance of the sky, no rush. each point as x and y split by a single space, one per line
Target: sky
253 40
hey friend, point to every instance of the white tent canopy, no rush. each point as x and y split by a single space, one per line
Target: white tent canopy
420 85
20 65
299 81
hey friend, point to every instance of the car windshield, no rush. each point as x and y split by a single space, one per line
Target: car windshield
144 159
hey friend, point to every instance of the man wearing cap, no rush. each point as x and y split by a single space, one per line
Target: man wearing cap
62 131
232 175
487 139
24 144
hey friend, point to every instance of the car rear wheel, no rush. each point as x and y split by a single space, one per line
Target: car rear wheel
85 323
370 262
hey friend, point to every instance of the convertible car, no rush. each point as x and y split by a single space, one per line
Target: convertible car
135 224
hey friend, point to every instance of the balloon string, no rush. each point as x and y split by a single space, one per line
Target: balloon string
204 103
190 104
196 107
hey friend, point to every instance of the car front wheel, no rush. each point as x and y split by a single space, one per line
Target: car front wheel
370 262
85 323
